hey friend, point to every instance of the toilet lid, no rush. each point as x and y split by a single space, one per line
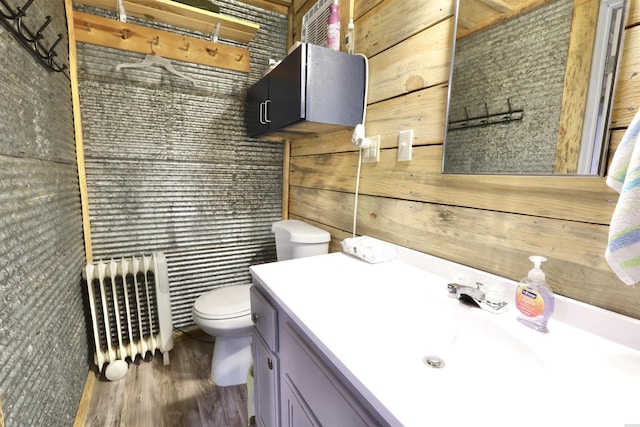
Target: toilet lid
224 302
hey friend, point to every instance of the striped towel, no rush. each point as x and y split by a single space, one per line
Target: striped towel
623 251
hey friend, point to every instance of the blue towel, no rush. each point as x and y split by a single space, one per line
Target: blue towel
623 251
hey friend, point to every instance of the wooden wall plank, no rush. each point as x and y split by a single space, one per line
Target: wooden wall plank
496 242
364 6
408 67
587 200
626 100
395 20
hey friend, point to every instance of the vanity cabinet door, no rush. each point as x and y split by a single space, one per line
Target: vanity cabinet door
265 384
295 412
320 396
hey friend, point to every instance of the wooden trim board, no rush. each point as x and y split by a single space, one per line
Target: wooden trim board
182 15
136 38
77 124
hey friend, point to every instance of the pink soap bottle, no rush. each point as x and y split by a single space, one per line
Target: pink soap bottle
333 27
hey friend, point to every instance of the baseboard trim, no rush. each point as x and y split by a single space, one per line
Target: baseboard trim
85 399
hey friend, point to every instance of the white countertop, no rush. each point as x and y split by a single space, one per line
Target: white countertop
377 322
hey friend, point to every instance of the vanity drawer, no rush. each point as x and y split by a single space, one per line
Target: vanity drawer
265 319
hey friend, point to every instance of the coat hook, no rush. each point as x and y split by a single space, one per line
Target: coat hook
32 41
88 24
125 33
39 32
239 57
52 51
156 40
26 34
212 52
23 9
216 33
186 47
12 15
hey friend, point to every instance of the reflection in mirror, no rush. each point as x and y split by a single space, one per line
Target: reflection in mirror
530 87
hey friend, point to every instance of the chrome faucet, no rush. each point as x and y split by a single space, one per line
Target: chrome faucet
477 296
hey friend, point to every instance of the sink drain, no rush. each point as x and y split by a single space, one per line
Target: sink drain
433 362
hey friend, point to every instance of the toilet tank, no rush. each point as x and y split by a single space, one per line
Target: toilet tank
297 239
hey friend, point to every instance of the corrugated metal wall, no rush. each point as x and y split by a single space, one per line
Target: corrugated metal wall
44 352
169 166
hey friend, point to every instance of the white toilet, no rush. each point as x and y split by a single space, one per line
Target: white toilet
225 312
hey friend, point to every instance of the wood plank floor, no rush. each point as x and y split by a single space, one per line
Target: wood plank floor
180 394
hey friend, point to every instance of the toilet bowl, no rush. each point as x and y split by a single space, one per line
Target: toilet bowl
225 312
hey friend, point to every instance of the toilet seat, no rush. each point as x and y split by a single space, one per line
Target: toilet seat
226 302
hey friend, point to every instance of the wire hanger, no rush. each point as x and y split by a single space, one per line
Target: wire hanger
155 59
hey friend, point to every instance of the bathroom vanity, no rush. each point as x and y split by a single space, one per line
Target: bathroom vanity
340 342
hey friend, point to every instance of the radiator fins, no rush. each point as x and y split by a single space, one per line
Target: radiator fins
130 310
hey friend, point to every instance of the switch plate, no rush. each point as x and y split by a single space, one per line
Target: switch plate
405 145
371 154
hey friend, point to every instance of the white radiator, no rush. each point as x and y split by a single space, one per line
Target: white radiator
131 312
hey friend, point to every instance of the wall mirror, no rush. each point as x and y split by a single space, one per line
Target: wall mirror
531 86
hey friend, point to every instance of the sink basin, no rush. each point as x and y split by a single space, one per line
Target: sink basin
469 343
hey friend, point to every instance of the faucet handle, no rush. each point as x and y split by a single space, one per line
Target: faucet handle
494 293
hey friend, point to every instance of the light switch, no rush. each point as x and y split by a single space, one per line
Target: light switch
405 142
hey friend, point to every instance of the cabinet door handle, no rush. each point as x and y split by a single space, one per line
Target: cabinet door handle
266 111
262 113
255 317
270 363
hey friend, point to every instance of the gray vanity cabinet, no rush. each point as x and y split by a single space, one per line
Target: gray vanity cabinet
304 387
313 90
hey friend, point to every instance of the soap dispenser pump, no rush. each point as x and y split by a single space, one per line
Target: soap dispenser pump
534 298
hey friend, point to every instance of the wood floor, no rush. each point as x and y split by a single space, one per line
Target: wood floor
180 394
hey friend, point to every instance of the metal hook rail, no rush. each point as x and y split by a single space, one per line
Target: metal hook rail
13 21
487 119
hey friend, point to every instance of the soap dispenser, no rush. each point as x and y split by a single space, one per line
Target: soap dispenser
534 298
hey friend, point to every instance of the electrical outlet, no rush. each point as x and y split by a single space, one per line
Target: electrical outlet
371 154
